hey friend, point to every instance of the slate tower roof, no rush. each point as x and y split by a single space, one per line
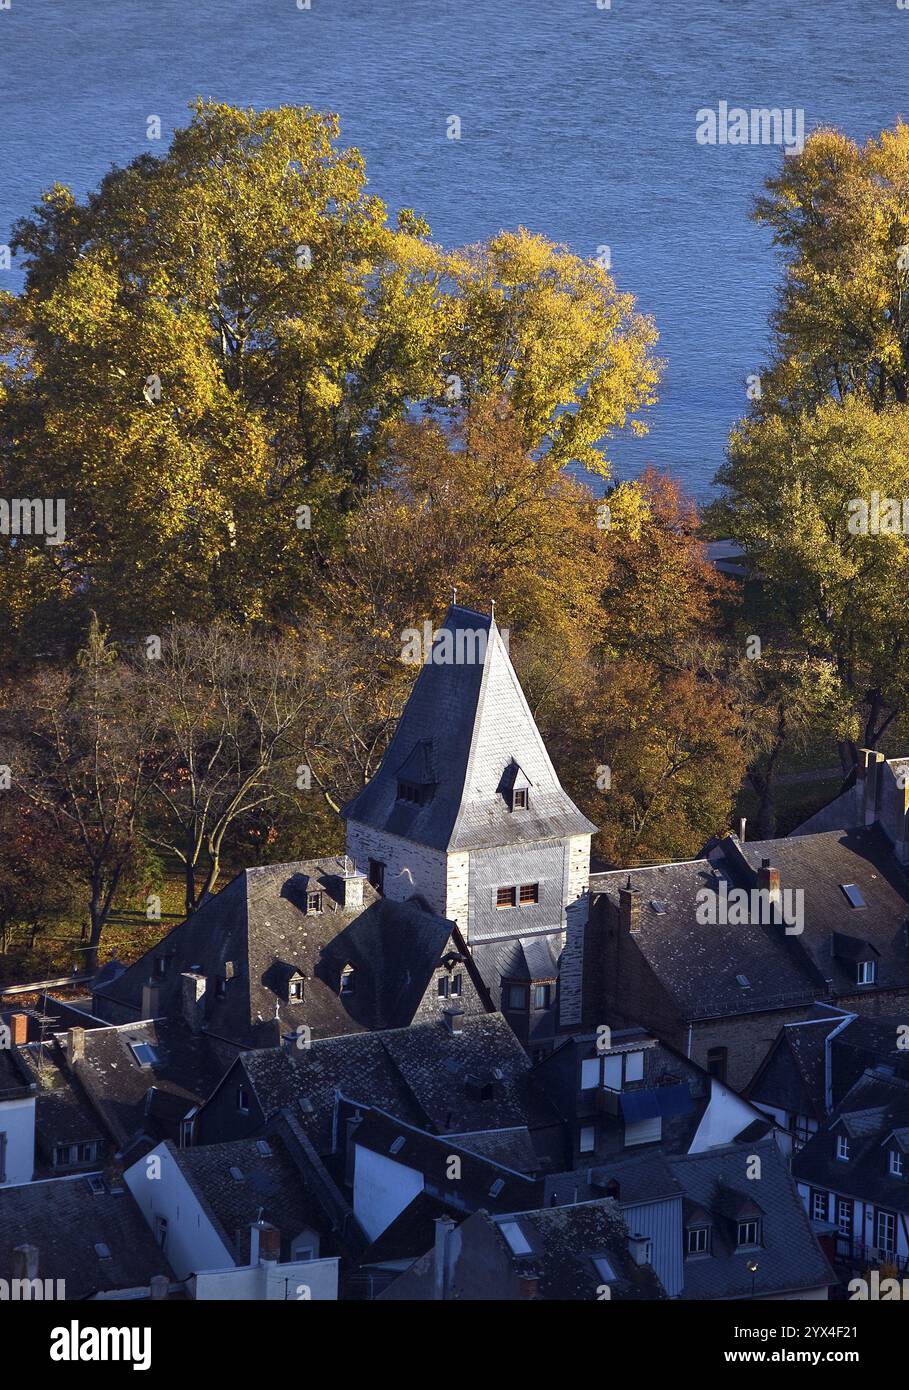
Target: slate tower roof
466 739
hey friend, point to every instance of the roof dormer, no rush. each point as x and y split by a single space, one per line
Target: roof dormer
515 787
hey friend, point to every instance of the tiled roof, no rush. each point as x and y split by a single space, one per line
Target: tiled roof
468 723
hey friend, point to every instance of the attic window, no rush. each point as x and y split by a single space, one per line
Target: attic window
896 1163
295 991
144 1054
865 972
347 980
842 1148
853 895
314 902
520 799
749 1234
698 1240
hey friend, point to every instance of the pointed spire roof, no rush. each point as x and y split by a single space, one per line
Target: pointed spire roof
468 723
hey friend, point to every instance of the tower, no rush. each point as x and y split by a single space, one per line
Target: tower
466 812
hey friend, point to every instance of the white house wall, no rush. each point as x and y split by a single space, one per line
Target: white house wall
381 1190
17 1122
192 1242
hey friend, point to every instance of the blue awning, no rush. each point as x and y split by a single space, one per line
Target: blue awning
661 1100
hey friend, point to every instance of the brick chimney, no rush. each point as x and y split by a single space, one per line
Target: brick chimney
25 1262
264 1243
75 1049
454 1020
630 907
529 1284
768 880
18 1027
193 999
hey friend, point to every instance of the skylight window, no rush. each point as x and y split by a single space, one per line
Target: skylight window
102 1251
743 981
144 1054
853 895
659 907
604 1269
517 1241
398 1145
497 1187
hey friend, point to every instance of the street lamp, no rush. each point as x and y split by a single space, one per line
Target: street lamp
752 1268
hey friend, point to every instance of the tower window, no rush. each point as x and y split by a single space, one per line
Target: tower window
520 799
530 893
506 897
413 793
377 875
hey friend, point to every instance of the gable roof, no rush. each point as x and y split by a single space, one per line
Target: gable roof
874 1109
66 1222
256 935
464 727
793 1074
418 1074
716 1182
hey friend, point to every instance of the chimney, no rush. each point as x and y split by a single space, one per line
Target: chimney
264 1243
25 1262
529 1284
441 1280
158 1286
18 1025
630 907
193 999
743 822
454 1020
151 1000
867 784
768 880
351 885
75 1050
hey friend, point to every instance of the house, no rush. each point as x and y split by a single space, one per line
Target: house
79 1237
665 948
465 1076
69 1135
296 949
467 812
237 1220
745 1231
18 1095
853 1175
578 1254
627 1090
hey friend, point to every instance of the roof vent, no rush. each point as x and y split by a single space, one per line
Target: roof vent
102 1251
236 1174
397 1145
497 1187
743 981
264 1148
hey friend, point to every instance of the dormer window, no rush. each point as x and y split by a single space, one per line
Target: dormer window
749 1234
347 980
866 972
295 990
412 793
842 1148
314 902
698 1240
520 799
896 1163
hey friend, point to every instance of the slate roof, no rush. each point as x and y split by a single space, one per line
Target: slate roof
63 1114
565 1242
642 1178
792 1076
65 1221
421 1074
790 1258
134 1098
255 934
465 726
15 1078
482 1182
412 1232
876 1106
249 1180
699 965
819 865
